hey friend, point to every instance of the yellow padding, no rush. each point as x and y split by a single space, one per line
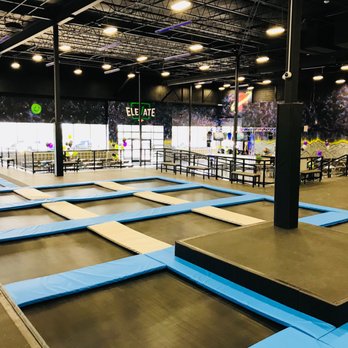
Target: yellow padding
157 197
227 216
114 186
31 193
68 210
128 238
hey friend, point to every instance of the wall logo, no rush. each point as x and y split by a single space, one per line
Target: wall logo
36 109
146 111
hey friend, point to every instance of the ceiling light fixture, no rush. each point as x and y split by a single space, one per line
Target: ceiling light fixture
221 88
204 67
15 65
226 85
266 82
106 66
241 78
78 71
250 88
198 86
340 81
181 5
110 30
131 75
344 67
165 73
318 77
276 30
196 47
262 59
37 58
141 59
65 48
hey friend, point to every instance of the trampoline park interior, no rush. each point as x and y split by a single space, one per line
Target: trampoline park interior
173 173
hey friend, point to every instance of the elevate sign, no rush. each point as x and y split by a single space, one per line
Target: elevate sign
146 111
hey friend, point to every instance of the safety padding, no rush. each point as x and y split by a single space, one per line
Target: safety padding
32 193
110 185
36 290
68 210
128 238
290 338
337 338
159 198
242 296
227 216
7 184
326 219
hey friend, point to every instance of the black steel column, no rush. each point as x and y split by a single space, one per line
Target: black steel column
140 122
190 115
289 124
58 149
236 107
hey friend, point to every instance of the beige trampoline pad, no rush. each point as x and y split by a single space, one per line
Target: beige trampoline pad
68 210
32 193
114 186
160 198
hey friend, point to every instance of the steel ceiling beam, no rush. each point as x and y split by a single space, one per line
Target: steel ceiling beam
60 14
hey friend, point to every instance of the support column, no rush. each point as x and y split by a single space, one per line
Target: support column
140 122
289 124
236 107
58 149
190 115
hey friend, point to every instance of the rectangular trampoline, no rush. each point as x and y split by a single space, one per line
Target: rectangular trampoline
32 258
198 194
76 191
10 198
175 227
263 210
157 310
118 205
19 218
150 183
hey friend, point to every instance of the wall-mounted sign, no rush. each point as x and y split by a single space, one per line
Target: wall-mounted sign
146 111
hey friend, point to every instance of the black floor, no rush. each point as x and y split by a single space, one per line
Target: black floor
140 184
26 218
77 191
175 227
43 256
305 268
159 310
200 194
118 205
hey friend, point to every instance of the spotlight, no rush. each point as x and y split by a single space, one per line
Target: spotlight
37 58
110 30
141 59
262 59
204 67
181 5
165 73
344 67
131 75
226 85
196 47
318 77
78 71
250 88
277 30
221 88
241 78
340 81
65 48
198 86
106 66
15 65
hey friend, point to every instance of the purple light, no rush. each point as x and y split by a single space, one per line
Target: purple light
177 57
112 45
172 27
319 153
4 38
